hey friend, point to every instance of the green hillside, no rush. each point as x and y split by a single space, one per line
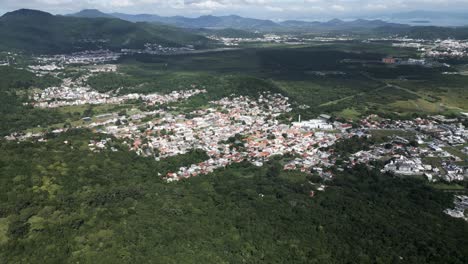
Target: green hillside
40 32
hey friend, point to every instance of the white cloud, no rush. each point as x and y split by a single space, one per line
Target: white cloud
339 8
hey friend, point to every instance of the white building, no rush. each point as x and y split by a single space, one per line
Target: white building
313 124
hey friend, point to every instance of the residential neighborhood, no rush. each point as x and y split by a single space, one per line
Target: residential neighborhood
432 148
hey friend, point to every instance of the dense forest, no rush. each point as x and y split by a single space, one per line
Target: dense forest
14 115
62 203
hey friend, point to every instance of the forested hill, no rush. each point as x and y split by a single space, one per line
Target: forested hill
40 32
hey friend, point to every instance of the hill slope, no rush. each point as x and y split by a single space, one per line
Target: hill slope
40 32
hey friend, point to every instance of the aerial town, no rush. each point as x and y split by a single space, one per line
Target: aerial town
432 150
234 131
433 139
57 62
448 48
239 128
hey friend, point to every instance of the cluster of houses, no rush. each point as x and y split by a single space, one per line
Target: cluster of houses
448 48
82 58
54 97
166 134
406 166
43 69
267 38
263 137
76 92
99 145
253 122
96 57
157 49
429 157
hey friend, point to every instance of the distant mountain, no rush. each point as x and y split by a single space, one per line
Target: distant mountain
40 32
333 22
242 23
91 13
27 13
299 24
209 21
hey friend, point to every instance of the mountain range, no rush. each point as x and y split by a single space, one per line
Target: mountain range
40 32
238 22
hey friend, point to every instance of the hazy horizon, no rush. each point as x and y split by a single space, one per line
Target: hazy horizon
263 9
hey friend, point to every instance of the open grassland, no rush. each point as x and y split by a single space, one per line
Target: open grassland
450 92
415 105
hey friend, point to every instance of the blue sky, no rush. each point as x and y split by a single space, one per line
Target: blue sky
271 9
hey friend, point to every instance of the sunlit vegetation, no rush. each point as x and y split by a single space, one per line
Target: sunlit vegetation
63 203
